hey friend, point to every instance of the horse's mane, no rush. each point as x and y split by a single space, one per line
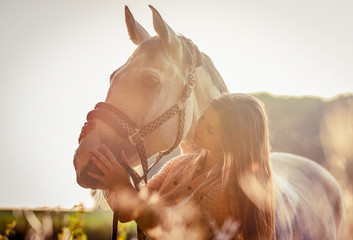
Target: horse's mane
207 63
215 75
151 46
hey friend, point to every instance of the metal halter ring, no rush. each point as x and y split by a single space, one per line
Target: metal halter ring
181 104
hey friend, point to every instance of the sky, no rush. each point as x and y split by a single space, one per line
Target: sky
56 58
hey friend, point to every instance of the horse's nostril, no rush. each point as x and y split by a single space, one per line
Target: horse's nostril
84 179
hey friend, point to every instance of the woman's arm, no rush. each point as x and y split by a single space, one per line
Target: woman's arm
115 179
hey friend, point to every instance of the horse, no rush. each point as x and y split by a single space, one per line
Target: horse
152 106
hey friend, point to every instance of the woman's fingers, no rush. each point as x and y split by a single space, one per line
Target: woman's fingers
101 157
99 178
103 168
96 176
109 155
123 157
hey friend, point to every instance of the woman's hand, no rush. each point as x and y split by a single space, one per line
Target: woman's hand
115 178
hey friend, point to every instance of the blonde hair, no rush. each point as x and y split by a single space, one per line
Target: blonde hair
247 174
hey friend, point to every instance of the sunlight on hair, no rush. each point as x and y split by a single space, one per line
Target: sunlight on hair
254 190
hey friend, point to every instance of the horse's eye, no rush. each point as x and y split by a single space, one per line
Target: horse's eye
149 82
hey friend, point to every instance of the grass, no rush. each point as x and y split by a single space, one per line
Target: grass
63 225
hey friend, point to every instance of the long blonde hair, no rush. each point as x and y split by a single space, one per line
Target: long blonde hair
247 174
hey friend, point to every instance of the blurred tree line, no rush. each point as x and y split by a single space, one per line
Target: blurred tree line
313 127
319 129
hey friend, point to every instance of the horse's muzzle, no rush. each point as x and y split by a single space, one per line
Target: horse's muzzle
82 177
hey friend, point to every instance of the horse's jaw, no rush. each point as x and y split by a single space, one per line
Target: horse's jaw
86 181
82 177
102 134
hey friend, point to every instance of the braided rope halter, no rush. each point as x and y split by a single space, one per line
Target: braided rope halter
125 127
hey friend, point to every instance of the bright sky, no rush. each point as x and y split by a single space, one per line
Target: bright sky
56 58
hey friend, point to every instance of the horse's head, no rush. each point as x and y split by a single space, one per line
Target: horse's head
152 83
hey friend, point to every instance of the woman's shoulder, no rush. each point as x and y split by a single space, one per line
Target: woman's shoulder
182 160
171 168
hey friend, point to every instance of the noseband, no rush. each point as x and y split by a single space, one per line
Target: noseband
126 128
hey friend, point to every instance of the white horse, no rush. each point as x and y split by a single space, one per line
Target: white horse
151 83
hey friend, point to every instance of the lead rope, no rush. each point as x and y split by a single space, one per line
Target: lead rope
115 232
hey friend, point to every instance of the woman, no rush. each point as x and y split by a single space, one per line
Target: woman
231 179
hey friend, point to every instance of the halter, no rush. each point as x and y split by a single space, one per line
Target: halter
126 128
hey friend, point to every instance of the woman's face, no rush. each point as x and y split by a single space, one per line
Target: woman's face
208 131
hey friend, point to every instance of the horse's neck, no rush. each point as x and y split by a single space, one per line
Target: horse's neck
204 91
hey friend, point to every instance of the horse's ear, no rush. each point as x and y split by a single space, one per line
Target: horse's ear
169 38
136 32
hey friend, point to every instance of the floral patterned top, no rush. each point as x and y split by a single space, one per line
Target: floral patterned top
182 180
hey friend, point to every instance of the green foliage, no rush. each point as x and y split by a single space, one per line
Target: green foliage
127 230
9 230
67 225
74 230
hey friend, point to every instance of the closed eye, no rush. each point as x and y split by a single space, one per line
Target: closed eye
150 82
149 79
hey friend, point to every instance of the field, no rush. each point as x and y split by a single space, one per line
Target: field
58 224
